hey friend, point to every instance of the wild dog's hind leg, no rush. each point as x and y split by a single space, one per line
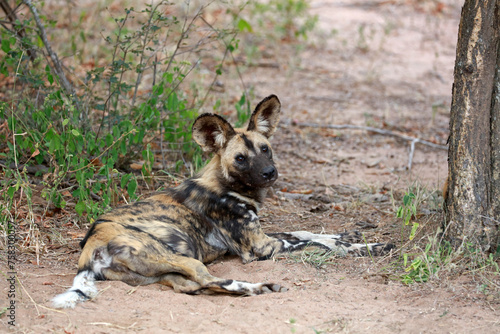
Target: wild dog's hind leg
181 283
188 275
178 282
161 265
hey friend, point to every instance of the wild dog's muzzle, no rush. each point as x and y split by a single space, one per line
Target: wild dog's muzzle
269 173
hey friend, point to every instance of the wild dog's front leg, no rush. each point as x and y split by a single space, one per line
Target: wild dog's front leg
352 237
260 246
342 247
348 242
343 243
251 243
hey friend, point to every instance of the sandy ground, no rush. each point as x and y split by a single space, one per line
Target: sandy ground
317 302
388 65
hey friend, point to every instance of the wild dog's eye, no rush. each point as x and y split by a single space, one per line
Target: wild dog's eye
240 158
264 149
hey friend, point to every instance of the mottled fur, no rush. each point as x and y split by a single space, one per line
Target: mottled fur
168 237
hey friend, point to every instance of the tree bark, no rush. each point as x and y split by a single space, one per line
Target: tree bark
473 201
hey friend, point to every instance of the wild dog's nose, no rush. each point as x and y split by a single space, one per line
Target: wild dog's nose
268 172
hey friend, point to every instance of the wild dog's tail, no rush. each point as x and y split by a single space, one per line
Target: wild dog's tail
83 289
93 259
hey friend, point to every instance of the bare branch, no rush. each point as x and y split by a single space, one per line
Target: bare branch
376 130
413 140
144 44
57 68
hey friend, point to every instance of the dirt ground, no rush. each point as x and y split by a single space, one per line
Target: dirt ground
389 65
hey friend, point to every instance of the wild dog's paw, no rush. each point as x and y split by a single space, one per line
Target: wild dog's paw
378 249
244 288
351 237
269 288
383 249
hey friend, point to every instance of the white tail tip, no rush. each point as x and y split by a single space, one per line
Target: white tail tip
83 289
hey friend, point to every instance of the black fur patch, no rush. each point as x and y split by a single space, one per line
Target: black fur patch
81 294
248 143
90 232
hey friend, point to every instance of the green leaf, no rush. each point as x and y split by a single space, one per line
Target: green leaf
217 105
50 78
75 132
55 142
82 36
116 131
170 78
124 180
114 155
100 106
11 192
6 45
399 213
173 102
123 147
109 139
244 25
413 230
218 69
97 187
80 207
408 198
65 122
11 122
132 186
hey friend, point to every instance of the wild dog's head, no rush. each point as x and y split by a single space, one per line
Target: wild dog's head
246 157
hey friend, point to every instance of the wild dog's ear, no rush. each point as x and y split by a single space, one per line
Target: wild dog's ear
266 116
212 132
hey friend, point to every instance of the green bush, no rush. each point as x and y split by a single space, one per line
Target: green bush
132 108
135 103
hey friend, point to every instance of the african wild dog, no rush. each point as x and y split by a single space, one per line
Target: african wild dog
167 238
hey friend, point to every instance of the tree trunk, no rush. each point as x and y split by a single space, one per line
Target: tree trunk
473 201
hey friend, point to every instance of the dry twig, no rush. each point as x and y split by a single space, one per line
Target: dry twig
413 140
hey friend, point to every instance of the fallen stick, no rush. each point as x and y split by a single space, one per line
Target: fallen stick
413 140
294 195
